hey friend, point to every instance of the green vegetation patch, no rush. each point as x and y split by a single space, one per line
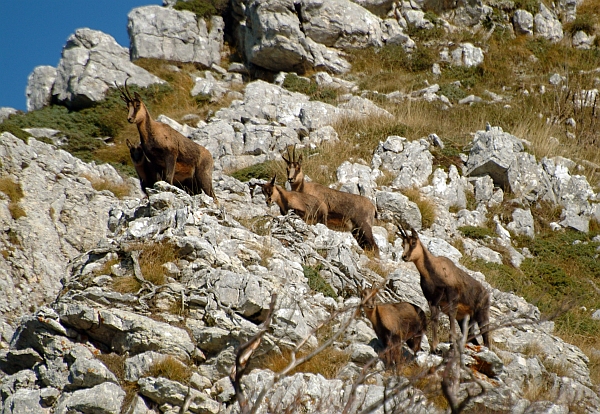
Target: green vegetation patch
473 232
295 83
264 170
317 283
559 279
203 8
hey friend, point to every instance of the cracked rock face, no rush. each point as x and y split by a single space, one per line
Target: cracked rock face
162 33
91 63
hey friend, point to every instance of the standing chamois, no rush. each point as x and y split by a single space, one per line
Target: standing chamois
394 323
449 289
147 172
309 208
347 210
180 159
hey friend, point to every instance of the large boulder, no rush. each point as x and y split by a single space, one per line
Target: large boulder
547 25
523 22
39 87
340 24
162 33
272 38
410 161
91 63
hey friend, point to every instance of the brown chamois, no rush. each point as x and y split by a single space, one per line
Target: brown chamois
309 208
181 160
350 211
394 323
147 172
448 289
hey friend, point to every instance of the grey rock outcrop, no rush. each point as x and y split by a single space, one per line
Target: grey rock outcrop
546 25
523 22
5 112
377 7
410 161
467 55
340 24
91 63
162 33
64 216
39 87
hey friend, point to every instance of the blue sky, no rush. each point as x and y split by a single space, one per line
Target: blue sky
33 33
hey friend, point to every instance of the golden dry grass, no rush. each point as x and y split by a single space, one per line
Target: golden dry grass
152 258
14 192
328 363
126 284
426 206
120 190
171 368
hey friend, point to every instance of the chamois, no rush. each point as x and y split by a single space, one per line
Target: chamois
182 160
147 172
344 209
448 289
394 323
309 208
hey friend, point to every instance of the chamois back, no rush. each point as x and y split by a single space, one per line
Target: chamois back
394 323
344 209
309 208
448 289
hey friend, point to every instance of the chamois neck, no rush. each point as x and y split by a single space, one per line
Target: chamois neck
282 200
423 262
298 185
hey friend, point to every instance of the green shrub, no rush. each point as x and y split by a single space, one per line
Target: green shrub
583 22
264 170
295 83
317 283
453 92
473 232
203 8
532 6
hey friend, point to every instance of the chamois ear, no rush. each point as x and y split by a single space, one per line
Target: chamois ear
413 233
273 179
129 144
137 96
300 159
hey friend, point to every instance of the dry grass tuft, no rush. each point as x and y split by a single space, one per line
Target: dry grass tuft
152 258
120 190
260 225
377 266
171 368
426 206
327 363
126 284
115 364
15 193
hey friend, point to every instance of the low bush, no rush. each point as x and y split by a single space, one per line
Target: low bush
203 8
317 283
171 368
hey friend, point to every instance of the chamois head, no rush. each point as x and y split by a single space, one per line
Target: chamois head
368 297
136 152
411 244
135 107
269 190
294 166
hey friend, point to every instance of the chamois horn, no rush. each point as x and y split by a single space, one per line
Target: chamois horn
125 95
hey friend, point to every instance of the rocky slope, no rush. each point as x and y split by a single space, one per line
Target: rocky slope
87 323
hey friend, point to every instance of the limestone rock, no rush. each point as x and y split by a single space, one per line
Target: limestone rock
547 25
523 22
162 33
39 87
467 55
91 63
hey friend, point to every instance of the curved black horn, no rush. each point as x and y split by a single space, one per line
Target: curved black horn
294 154
127 89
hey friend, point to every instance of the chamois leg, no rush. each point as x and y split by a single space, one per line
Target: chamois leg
471 337
170 161
364 236
204 183
435 314
483 320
